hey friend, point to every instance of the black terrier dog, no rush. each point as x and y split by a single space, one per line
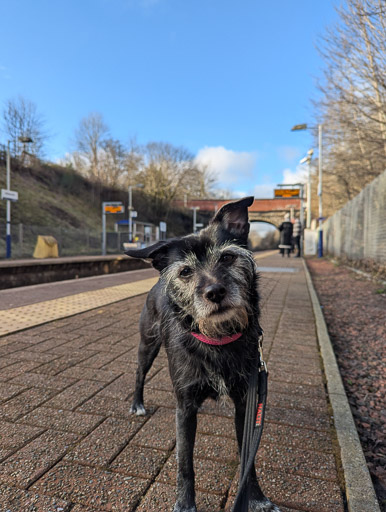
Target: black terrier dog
205 310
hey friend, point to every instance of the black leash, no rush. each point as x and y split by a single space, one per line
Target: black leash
253 428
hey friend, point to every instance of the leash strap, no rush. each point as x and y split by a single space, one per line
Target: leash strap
253 428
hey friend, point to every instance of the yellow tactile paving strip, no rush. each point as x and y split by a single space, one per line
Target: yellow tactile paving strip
17 319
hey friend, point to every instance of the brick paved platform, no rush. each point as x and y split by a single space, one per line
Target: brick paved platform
69 443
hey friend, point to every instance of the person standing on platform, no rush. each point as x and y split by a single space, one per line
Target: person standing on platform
286 230
297 233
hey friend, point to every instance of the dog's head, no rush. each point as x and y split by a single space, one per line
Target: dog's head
210 277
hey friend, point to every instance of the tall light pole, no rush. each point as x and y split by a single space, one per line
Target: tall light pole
307 160
130 208
320 193
8 238
298 127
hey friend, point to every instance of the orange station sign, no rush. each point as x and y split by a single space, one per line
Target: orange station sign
287 192
114 208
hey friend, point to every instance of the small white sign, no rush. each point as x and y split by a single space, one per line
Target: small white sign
10 195
134 214
310 242
162 227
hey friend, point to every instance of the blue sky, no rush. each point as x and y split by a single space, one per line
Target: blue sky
225 79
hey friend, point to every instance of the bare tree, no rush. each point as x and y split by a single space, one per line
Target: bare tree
89 139
21 119
169 172
352 106
112 162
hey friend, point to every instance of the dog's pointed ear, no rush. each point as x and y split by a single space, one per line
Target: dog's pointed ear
156 253
233 218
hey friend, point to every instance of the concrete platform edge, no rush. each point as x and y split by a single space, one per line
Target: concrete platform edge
360 492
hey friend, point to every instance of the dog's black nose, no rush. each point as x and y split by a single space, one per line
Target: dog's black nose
215 293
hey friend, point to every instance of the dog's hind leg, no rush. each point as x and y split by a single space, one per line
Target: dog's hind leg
147 351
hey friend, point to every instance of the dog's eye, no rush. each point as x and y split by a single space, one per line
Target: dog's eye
186 272
227 258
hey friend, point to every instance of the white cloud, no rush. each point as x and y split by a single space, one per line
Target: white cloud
264 191
298 176
228 166
239 193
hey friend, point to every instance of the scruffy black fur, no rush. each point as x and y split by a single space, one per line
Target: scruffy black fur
208 285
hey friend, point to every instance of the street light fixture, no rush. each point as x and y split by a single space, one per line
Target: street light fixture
25 140
9 193
130 208
304 126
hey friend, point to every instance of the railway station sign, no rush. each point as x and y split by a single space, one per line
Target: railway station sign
10 195
287 192
113 207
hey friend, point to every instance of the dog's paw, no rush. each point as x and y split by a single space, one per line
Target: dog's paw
179 508
263 506
138 409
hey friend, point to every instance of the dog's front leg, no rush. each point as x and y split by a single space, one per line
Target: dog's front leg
186 419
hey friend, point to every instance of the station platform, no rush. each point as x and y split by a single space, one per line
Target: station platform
69 443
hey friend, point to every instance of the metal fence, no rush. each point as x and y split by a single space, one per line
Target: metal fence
358 231
71 241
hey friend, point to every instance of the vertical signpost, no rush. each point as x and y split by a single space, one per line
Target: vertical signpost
108 208
9 195
320 241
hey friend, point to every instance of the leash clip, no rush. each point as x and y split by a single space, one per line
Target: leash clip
262 365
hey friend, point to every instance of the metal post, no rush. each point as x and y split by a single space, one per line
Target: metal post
103 230
8 220
194 219
301 203
309 195
195 208
21 235
301 218
320 242
130 217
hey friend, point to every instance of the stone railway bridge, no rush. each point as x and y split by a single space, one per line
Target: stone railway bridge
262 210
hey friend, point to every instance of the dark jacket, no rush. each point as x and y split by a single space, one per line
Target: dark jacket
286 229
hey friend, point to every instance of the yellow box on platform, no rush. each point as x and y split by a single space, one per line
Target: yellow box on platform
46 247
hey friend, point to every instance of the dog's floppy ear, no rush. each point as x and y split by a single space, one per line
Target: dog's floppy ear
233 217
157 253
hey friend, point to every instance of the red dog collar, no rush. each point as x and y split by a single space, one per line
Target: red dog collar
217 341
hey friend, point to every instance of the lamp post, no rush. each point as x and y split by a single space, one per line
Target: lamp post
320 193
8 238
307 160
130 208
299 127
